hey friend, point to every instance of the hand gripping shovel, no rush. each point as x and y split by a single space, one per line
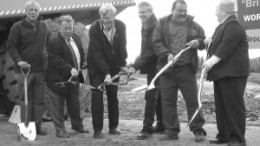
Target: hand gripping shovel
102 88
26 130
170 63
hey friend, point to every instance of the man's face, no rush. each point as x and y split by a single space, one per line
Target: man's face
220 14
144 14
32 12
107 19
66 29
179 14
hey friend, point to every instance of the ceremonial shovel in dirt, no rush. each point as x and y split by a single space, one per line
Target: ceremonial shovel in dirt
152 86
203 75
101 87
26 130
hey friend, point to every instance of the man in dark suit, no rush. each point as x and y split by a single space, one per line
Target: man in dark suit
106 57
228 67
65 58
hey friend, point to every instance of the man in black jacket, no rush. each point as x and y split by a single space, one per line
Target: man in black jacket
171 35
66 58
228 68
27 47
106 57
146 62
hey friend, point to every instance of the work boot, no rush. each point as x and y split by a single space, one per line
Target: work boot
169 137
144 135
40 131
98 135
63 134
159 129
114 132
199 136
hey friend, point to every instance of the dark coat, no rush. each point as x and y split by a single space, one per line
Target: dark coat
229 42
147 60
161 40
104 58
28 43
60 62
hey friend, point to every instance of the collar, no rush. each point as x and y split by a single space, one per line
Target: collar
229 17
102 27
150 22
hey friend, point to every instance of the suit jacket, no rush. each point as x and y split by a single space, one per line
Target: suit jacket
104 58
61 62
229 42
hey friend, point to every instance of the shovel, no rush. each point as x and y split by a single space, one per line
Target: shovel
101 87
203 74
170 63
26 130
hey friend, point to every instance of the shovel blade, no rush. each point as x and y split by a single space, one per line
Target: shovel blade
15 117
27 133
141 88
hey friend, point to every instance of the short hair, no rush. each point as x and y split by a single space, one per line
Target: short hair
228 6
146 4
32 2
106 8
177 1
66 18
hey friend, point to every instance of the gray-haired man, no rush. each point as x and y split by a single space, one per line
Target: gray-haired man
27 47
106 57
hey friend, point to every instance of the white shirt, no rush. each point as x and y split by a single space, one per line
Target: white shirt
76 50
110 34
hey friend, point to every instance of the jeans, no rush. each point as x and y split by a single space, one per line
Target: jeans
153 105
35 90
183 78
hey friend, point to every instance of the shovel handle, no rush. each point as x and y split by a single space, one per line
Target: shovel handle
202 77
101 86
25 74
26 92
170 63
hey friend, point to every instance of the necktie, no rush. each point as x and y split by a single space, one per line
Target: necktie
73 54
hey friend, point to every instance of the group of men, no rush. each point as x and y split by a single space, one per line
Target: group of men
227 65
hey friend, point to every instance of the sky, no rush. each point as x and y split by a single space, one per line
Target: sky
203 10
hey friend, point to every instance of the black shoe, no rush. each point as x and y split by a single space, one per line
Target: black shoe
159 129
114 132
144 135
218 141
80 130
41 132
169 137
98 135
63 134
236 143
199 136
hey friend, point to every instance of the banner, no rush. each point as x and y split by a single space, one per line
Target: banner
249 16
